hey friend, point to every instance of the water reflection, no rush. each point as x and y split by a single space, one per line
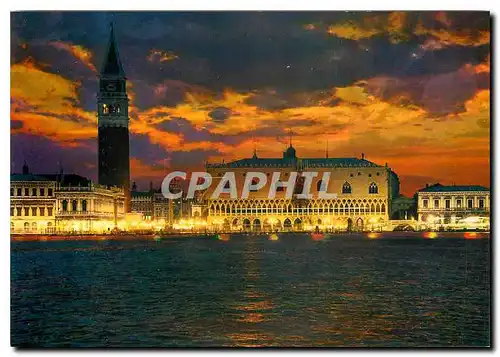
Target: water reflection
255 307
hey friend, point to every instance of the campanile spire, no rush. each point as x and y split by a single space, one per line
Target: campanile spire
112 65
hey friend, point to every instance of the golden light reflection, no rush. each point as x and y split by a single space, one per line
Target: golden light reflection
273 237
430 235
373 235
254 307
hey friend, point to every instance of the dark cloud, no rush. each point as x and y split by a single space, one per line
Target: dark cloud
220 114
45 156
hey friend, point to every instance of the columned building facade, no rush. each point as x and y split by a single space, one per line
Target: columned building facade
363 194
440 205
59 204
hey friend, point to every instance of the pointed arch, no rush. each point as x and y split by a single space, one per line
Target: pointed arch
346 188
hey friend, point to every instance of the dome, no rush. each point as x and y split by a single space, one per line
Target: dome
290 152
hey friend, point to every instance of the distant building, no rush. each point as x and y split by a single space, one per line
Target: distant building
62 203
153 205
142 202
451 205
403 208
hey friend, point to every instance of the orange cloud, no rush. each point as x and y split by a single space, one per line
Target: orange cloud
393 24
83 54
399 28
161 56
46 105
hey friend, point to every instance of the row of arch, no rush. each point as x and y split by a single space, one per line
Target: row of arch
338 208
33 227
288 224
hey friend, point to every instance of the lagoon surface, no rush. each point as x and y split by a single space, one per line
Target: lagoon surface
346 290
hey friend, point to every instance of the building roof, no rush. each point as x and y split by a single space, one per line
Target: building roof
288 162
141 194
68 179
453 188
112 65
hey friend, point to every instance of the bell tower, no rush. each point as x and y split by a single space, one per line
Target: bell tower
112 118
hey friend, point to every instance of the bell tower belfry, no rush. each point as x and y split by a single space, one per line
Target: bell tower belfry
112 119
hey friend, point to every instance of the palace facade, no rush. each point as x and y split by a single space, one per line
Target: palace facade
363 189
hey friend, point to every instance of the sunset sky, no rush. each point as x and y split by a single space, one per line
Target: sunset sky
410 89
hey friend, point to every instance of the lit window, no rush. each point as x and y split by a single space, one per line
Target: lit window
481 203
459 203
105 109
346 188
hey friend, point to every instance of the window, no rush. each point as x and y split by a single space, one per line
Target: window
33 211
114 108
33 192
470 203
105 109
42 211
255 181
373 188
19 192
26 211
11 191
26 191
49 211
426 204
42 192
318 186
74 205
346 188
50 192
64 206
84 205
12 211
18 211
436 203
459 203
481 203
33 226
447 204
26 226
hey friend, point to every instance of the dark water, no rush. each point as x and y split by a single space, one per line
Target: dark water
249 291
